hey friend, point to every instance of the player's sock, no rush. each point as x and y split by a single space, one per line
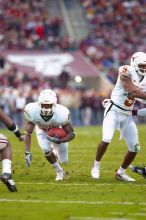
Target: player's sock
57 166
121 170
6 166
96 163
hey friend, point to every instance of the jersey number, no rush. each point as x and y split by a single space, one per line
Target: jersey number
129 101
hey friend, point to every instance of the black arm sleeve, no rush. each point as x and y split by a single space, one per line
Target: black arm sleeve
14 128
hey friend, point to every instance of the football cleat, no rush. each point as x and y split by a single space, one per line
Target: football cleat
140 170
6 178
123 177
95 172
60 175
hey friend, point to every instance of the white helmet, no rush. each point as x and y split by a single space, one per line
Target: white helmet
136 55
138 60
47 97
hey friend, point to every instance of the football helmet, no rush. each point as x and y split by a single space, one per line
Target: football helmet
138 61
136 55
47 101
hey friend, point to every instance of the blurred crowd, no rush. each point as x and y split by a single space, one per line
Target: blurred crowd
26 24
17 89
117 30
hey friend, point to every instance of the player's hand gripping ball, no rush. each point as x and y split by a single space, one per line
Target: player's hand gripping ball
56 134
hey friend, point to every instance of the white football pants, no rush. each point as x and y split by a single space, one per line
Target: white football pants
125 124
61 150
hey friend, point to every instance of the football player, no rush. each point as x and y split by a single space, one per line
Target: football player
118 115
6 152
139 169
44 115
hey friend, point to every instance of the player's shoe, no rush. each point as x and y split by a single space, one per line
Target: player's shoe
123 177
95 172
6 178
140 170
60 175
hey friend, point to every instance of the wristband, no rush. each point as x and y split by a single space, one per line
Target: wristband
14 128
134 112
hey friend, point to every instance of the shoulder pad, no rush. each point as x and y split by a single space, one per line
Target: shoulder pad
63 113
29 112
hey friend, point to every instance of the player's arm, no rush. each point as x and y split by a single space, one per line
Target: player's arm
10 125
131 88
139 112
123 69
29 127
70 133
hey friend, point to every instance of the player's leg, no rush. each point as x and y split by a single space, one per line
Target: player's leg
110 123
62 152
6 158
141 170
131 137
47 149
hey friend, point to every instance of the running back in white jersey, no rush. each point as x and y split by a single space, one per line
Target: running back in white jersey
120 96
60 116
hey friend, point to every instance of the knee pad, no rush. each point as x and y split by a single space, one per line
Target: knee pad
3 141
135 148
48 153
50 156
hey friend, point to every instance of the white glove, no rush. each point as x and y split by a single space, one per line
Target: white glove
105 102
123 69
28 158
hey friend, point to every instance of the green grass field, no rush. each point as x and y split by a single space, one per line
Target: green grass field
78 197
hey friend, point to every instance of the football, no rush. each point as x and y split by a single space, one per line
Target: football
57 132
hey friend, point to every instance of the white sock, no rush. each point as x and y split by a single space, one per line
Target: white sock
121 170
6 166
96 163
57 166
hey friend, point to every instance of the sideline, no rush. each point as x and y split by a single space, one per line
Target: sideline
74 202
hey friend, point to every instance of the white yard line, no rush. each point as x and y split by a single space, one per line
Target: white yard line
96 218
133 214
137 214
72 202
80 184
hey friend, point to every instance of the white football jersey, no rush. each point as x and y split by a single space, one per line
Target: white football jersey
59 118
120 96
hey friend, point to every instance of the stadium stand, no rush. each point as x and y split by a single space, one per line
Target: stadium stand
117 30
107 32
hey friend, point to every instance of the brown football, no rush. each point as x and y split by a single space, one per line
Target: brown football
57 132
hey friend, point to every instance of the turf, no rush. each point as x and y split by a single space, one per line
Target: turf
78 197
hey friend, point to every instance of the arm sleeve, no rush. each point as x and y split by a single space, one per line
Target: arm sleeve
141 112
